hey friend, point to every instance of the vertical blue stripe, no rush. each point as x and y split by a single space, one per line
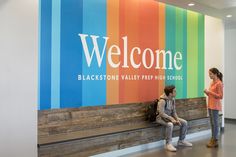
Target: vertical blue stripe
184 54
55 79
71 53
39 49
94 23
170 41
45 55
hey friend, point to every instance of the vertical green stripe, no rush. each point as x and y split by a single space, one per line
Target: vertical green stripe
192 54
179 48
184 54
201 58
170 41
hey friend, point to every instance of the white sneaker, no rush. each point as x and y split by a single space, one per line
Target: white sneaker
171 148
185 143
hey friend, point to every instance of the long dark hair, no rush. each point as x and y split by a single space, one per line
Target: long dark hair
217 73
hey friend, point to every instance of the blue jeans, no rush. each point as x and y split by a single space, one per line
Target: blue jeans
214 118
169 129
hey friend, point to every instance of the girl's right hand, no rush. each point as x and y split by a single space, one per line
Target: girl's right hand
206 91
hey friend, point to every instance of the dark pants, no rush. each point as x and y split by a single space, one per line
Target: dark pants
214 118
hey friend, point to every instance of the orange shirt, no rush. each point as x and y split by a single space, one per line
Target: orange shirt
215 95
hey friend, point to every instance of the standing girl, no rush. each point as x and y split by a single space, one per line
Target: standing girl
215 94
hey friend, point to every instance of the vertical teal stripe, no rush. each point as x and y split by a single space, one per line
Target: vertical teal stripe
170 41
55 79
192 53
201 57
94 23
179 48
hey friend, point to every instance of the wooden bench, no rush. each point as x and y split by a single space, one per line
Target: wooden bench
93 130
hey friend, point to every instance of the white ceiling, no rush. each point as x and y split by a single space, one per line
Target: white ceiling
218 4
216 8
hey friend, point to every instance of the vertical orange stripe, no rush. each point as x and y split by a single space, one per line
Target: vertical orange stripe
129 26
148 38
161 33
113 34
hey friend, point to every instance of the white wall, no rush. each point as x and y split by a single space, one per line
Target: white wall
214 47
18 79
230 72
19 64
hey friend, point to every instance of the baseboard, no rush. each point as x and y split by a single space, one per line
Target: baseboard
230 120
152 145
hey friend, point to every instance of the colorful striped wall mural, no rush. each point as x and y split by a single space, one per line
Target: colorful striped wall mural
101 52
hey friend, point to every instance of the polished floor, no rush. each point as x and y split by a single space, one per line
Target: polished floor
227 147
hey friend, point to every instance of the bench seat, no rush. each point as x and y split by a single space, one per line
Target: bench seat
92 130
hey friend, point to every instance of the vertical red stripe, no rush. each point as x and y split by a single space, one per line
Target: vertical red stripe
148 38
143 22
161 36
129 26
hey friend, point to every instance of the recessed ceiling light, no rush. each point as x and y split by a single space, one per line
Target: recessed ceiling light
191 4
228 16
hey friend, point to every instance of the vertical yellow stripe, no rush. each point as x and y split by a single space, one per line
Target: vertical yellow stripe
192 54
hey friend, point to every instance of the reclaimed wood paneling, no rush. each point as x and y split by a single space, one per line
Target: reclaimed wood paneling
92 130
